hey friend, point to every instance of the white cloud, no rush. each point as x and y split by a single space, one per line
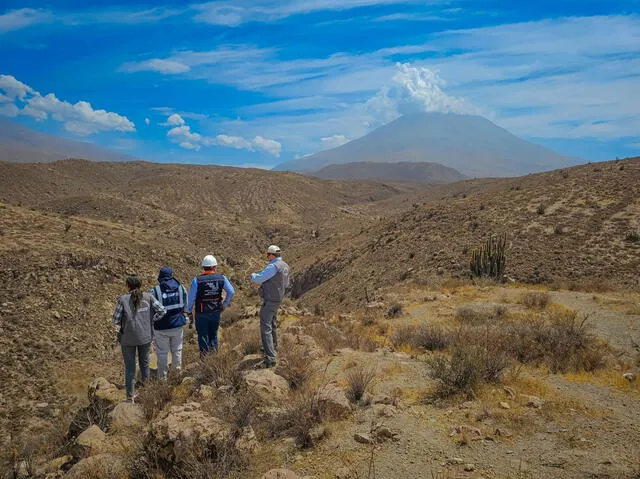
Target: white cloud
79 118
244 11
22 18
269 146
166 67
14 88
175 120
147 121
182 134
416 89
334 141
25 17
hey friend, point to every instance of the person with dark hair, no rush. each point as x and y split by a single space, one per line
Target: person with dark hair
134 316
273 281
205 294
168 330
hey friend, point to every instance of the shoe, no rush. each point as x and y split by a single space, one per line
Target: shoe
269 364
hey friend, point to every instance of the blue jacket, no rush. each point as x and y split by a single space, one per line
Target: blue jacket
173 297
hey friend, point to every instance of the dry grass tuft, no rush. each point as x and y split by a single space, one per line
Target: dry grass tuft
536 299
394 311
359 379
153 397
299 417
480 315
219 369
431 338
295 366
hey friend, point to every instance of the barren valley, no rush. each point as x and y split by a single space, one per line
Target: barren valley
395 361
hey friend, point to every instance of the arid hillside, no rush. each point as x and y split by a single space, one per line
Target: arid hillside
70 232
574 225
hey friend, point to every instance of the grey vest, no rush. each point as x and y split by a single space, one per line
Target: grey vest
273 289
137 328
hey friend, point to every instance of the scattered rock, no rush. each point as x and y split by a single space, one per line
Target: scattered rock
466 405
54 465
250 361
102 392
333 401
126 416
342 473
509 391
464 429
93 438
382 433
469 467
187 428
629 377
455 461
382 410
267 385
505 405
280 474
502 432
375 305
106 465
383 399
363 438
532 401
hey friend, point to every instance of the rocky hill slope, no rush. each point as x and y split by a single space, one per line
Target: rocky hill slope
422 172
575 225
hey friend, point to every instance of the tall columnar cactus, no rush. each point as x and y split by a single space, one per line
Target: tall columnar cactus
489 259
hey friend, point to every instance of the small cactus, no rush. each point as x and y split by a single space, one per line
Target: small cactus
489 259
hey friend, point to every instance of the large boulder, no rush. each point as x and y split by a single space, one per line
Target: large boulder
126 416
93 438
267 385
186 430
333 401
105 466
102 393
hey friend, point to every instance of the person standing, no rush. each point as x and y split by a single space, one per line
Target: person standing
205 294
273 281
135 314
168 330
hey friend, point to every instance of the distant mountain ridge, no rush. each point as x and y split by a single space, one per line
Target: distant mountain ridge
472 145
20 144
422 172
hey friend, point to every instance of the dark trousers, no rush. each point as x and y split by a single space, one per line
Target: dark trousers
129 356
207 327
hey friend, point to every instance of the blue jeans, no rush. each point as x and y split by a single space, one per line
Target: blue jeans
129 355
207 327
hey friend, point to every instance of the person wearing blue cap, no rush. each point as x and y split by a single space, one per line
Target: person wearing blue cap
168 331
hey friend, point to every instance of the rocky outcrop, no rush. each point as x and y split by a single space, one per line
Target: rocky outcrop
267 385
187 430
100 465
103 393
126 416
333 401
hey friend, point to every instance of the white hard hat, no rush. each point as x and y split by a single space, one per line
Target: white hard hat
209 261
273 249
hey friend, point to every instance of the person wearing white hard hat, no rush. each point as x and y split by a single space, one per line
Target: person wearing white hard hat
273 281
205 297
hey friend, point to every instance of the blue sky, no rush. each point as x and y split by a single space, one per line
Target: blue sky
259 82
